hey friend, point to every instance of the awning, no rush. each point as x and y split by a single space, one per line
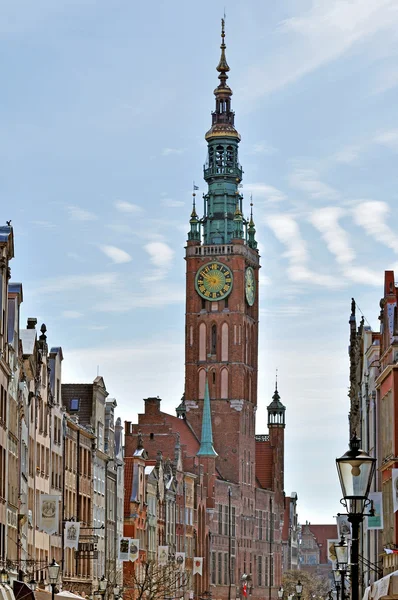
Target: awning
65 595
386 586
22 591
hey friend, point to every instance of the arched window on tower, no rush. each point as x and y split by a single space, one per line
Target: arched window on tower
224 384
202 341
202 381
211 157
224 342
230 156
214 339
220 159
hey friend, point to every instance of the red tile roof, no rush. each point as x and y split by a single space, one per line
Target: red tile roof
264 460
187 437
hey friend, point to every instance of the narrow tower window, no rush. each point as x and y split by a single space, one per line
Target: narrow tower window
224 342
202 342
224 384
214 339
202 380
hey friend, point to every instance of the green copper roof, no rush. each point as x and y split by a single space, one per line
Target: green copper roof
206 443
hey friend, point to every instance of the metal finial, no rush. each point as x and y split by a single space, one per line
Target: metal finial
276 380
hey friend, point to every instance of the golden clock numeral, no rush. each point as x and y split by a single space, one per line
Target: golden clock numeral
226 288
207 293
202 289
227 280
214 267
214 295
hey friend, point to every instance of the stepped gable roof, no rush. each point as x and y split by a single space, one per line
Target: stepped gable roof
187 437
323 533
264 459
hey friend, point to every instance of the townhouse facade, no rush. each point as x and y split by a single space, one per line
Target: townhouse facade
54 470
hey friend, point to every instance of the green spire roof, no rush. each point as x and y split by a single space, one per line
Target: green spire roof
206 442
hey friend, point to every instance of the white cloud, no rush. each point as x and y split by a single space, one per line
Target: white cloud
321 34
326 220
347 155
262 191
388 138
72 314
364 275
308 181
75 282
262 147
287 232
372 216
153 297
127 207
80 214
170 203
160 254
117 255
168 151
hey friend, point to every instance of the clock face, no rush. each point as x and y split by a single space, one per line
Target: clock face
214 281
250 286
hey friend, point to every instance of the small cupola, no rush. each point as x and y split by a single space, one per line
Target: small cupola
276 411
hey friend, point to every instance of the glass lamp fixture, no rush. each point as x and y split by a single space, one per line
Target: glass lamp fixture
341 550
33 585
280 592
102 584
3 575
299 588
356 469
53 571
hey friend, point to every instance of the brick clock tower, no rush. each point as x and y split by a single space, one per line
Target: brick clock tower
222 299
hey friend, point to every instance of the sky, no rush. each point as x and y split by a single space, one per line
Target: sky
104 107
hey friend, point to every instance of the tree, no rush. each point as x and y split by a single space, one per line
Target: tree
151 581
314 586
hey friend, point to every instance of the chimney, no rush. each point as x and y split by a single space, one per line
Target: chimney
32 322
152 405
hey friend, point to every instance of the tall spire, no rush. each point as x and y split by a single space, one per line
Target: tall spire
251 230
222 66
206 440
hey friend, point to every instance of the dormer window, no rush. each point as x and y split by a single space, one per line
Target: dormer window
74 404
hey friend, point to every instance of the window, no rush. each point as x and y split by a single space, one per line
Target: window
260 525
226 519
219 568
220 519
260 571
213 568
233 510
214 339
225 569
74 404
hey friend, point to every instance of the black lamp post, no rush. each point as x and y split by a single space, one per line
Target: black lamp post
341 550
33 585
299 589
53 572
356 469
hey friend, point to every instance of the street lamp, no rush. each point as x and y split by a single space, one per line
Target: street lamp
3 576
102 586
33 585
280 592
53 572
356 469
299 589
